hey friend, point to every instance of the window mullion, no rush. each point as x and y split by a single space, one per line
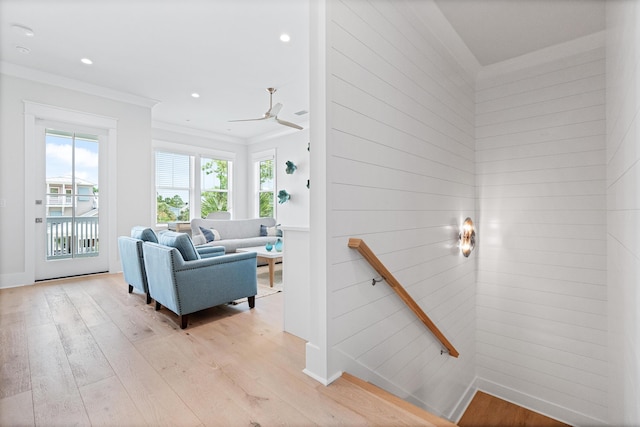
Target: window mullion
196 175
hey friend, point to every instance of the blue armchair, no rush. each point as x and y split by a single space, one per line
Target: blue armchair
131 257
184 282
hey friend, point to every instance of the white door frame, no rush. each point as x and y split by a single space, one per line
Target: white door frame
33 113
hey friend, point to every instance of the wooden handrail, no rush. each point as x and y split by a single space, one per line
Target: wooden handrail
377 265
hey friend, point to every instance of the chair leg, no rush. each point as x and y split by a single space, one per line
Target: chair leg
252 301
148 297
183 321
158 306
130 288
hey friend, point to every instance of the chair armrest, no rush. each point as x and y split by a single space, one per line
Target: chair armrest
180 264
210 251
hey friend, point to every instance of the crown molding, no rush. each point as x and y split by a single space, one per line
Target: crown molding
201 133
27 73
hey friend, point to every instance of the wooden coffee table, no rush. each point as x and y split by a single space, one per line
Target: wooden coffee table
270 257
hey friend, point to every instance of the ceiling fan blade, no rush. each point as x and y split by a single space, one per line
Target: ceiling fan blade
286 123
249 120
275 110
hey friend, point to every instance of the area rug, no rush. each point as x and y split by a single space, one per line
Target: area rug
264 290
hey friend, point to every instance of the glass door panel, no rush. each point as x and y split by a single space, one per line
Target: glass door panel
71 179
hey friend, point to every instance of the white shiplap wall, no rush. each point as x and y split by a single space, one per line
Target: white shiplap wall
542 295
623 192
401 176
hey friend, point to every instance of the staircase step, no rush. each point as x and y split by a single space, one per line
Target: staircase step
379 406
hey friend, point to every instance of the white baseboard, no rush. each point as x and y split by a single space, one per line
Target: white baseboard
464 401
321 380
13 280
538 405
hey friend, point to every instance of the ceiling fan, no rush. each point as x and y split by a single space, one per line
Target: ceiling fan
272 113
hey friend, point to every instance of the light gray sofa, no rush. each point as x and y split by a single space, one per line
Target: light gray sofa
234 233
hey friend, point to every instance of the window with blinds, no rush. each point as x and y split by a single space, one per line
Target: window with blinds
173 187
191 185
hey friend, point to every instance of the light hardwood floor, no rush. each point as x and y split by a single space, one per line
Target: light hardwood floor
489 411
83 351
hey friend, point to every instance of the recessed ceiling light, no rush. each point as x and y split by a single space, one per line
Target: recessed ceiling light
285 37
25 31
195 95
86 61
23 50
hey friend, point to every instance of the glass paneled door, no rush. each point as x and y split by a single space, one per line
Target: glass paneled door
69 228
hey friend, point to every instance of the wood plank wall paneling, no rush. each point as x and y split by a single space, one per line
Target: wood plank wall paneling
542 296
401 145
623 182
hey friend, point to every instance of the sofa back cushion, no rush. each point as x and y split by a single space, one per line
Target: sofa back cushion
233 228
182 242
145 234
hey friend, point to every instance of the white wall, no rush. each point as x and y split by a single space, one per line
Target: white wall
623 204
133 174
288 146
542 295
400 156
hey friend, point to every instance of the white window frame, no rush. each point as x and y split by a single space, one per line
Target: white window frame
256 158
196 153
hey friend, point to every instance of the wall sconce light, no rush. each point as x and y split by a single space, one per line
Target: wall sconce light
467 237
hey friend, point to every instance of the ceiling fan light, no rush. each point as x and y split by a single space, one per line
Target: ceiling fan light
285 38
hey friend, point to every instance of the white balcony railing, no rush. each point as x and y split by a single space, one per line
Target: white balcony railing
59 200
69 238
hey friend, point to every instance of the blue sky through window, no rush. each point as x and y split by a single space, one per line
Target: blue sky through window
59 150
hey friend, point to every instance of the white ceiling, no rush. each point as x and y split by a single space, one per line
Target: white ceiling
497 30
229 50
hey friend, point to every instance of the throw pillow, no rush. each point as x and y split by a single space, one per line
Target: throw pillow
210 234
145 234
270 231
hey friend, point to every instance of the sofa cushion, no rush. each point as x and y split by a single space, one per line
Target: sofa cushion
145 234
182 242
232 229
270 231
210 234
